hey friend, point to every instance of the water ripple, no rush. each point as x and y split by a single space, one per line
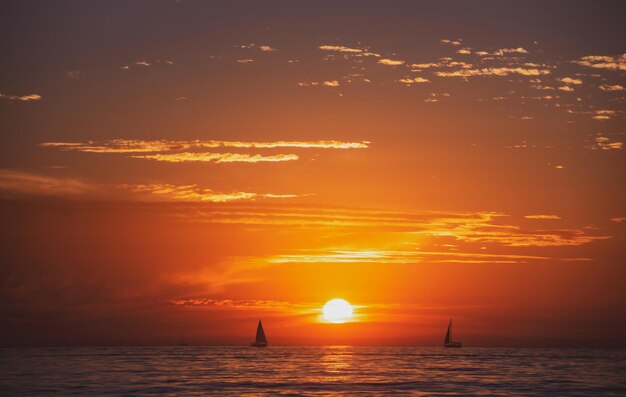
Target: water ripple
297 371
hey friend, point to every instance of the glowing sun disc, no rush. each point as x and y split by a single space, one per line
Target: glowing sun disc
337 311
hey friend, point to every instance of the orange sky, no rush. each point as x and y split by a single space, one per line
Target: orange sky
180 167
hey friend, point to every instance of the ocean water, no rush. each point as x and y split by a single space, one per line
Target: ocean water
314 371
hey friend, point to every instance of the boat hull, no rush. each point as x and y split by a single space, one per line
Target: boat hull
453 345
258 344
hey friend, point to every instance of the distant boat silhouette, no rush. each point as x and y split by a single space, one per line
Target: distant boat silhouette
448 341
260 341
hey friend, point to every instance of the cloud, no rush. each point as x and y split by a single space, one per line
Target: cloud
24 183
518 50
607 87
259 47
266 48
569 80
502 51
502 71
425 65
340 48
543 87
355 52
142 146
547 217
19 182
617 62
603 114
443 63
331 83
145 64
414 80
23 98
197 194
390 62
469 228
604 143
566 88
244 61
618 219
410 257
270 305
464 51
217 157
451 42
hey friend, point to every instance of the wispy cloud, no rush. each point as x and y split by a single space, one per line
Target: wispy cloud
20 182
270 305
608 87
409 257
518 50
501 71
266 48
146 64
340 48
198 194
409 80
451 42
358 52
609 62
391 62
23 98
471 228
569 80
547 217
441 63
141 146
217 157
603 114
605 143
259 47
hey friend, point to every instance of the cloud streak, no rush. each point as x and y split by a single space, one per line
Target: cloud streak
24 183
410 257
390 62
471 228
544 217
195 193
142 146
22 98
217 157
501 71
608 62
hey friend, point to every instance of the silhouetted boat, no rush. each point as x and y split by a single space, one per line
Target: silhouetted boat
260 341
448 341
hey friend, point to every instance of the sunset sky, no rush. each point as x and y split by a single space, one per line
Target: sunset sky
187 167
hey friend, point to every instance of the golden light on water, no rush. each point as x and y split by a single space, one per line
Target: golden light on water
337 311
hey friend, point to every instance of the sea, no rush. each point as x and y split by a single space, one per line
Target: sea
311 371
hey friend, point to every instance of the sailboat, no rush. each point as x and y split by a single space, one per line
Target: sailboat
261 340
448 341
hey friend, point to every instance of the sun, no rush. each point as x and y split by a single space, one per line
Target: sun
337 311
